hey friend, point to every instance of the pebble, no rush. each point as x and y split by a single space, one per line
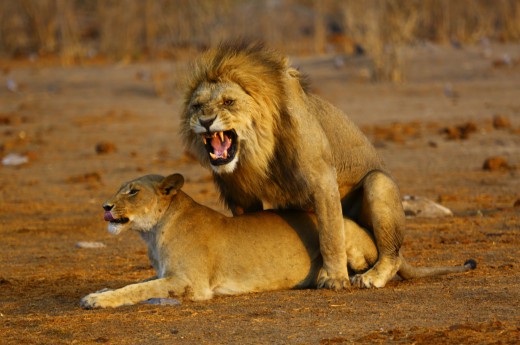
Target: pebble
162 301
90 245
14 159
500 122
105 147
495 164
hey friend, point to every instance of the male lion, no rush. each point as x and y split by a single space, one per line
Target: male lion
198 253
249 117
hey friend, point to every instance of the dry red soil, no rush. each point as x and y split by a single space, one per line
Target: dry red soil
87 129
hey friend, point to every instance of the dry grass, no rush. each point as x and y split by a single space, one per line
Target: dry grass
131 29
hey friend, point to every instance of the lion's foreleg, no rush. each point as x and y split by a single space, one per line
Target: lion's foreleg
334 274
132 294
383 212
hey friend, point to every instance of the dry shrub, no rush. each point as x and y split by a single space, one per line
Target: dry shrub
130 29
383 27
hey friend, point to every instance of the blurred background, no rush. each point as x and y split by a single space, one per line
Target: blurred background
78 31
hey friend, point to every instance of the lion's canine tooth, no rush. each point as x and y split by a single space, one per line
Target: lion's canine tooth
224 155
221 134
212 155
204 140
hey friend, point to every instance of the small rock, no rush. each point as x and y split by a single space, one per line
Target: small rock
92 177
14 159
501 122
101 340
162 301
496 164
460 132
11 85
90 245
417 206
105 147
450 92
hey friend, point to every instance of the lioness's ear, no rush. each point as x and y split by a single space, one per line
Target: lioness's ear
171 184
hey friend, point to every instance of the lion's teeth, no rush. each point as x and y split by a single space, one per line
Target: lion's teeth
212 155
224 155
204 140
221 134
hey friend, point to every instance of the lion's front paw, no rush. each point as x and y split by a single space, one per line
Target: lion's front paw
98 300
327 281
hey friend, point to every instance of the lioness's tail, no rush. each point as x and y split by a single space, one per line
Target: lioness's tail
407 271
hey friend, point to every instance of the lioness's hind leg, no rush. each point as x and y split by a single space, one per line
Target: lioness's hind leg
360 247
382 211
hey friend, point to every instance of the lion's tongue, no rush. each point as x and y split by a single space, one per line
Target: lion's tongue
220 147
108 216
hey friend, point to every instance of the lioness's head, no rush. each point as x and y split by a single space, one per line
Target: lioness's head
232 107
139 204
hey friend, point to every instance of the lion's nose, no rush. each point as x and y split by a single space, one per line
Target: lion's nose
207 123
107 207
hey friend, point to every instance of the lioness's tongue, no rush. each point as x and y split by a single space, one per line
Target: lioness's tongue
108 216
219 147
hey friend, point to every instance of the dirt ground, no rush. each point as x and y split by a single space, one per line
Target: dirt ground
86 129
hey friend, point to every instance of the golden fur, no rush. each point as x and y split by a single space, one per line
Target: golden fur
249 117
198 253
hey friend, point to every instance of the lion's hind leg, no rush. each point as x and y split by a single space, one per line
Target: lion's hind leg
382 211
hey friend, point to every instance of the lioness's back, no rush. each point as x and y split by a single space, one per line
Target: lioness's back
266 251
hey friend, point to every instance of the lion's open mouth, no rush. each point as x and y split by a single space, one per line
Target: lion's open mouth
221 146
110 218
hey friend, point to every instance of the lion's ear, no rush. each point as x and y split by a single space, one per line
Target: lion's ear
171 184
293 72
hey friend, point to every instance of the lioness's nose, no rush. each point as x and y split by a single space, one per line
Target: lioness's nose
107 207
207 123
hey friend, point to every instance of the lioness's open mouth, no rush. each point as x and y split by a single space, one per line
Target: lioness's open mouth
110 218
221 146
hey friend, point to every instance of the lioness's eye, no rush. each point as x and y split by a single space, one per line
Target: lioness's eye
196 106
228 102
133 191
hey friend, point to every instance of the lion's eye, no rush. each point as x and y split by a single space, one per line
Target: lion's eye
133 191
196 106
229 102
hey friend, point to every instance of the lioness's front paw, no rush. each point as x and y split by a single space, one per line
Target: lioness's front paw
326 281
97 300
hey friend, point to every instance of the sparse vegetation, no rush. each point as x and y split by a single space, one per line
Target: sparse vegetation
76 30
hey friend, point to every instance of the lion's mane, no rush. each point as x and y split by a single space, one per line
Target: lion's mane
263 75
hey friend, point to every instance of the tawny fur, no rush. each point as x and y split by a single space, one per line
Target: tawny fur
198 253
295 151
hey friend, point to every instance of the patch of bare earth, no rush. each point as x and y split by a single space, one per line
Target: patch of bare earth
85 130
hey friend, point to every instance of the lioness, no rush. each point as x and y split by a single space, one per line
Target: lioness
250 118
198 252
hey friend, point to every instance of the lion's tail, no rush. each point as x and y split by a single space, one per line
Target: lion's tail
407 271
